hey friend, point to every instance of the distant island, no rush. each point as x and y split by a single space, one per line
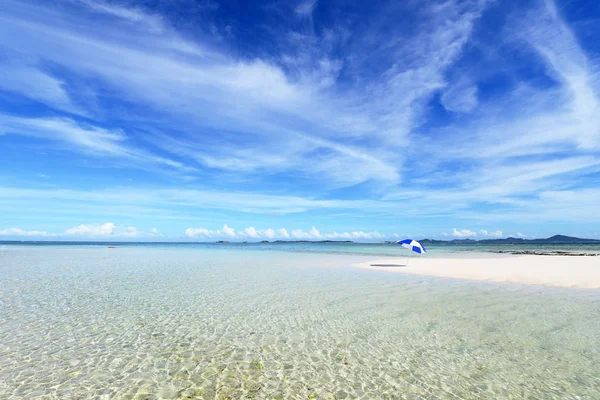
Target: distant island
556 239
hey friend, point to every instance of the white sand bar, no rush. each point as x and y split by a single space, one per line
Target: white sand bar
576 272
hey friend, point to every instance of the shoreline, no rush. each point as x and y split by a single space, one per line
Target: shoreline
546 270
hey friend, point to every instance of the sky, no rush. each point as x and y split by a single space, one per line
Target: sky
193 120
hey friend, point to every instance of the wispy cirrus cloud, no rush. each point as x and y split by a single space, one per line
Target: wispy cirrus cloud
306 7
37 85
254 203
559 119
180 204
136 16
83 138
433 117
269 104
461 96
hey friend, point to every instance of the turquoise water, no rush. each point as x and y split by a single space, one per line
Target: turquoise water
210 322
373 249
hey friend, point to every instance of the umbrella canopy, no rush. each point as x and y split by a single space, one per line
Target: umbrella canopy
412 245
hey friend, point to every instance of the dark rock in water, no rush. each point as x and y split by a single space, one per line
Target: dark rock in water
545 253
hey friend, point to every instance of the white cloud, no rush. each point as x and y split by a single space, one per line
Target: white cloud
135 15
527 142
252 233
359 236
91 230
282 233
346 137
463 233
87 138
575 205
195 232
130 231
306 7
228 231
270 233
109 230
225 232
155 200
557 44
117 202
522 153
36 85
22 232
545 120
496 233
460 97
153 233
300 234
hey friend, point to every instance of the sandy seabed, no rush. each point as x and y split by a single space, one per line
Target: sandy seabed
576 272
145 323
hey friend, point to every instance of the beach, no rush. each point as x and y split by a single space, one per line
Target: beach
299 200
558 271
236 322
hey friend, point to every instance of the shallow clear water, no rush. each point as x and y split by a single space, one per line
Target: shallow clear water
349 248
176 323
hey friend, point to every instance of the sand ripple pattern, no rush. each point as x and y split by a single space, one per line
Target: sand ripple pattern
124 323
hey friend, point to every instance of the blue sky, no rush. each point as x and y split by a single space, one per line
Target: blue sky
207 120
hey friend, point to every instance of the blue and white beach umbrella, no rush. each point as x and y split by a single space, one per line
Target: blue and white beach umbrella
412 245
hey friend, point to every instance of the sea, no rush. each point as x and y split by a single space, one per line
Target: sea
387 249
283 321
